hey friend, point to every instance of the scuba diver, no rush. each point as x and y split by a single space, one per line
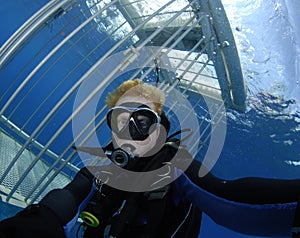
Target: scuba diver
175 200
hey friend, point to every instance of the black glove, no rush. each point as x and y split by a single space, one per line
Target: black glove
36 221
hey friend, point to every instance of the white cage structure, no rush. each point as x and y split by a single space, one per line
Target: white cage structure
192 49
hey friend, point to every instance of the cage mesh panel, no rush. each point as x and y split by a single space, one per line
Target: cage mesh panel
8 148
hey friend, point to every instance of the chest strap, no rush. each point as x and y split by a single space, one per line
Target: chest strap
156 202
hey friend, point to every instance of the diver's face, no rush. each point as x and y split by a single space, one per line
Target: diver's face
141 145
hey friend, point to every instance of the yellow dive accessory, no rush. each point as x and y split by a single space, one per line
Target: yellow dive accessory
89 219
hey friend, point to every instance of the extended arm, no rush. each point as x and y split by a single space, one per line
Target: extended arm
251 190
254 206
54 215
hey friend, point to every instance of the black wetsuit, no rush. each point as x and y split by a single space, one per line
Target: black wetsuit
171 211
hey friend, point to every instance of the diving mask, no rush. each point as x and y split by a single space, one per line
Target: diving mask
132 123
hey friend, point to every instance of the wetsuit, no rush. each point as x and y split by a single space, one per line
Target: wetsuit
254 206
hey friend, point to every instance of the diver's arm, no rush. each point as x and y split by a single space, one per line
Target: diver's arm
53 213
66 202
253 215
255 206
247 190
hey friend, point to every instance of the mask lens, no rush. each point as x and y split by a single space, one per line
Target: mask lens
118 119
144 120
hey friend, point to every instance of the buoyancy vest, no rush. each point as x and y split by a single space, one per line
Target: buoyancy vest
129 214
144 214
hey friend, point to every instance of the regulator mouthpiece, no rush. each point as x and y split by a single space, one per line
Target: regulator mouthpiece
121 158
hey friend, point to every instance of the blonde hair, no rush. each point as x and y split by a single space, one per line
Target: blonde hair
137 88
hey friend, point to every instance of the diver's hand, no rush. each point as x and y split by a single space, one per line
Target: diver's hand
35 221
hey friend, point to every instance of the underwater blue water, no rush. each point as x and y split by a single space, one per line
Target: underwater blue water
265 140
